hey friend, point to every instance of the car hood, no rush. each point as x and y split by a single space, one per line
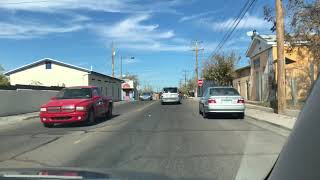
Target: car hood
65 102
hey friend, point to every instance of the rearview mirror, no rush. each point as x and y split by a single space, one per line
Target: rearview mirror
54 98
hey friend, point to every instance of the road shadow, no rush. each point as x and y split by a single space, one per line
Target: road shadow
84 124
223 116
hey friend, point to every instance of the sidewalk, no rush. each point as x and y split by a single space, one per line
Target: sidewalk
270 117
17 118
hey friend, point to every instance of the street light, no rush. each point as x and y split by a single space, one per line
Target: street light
121 64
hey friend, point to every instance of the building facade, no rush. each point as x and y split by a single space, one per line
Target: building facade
50 72
242 81
300 70
129 90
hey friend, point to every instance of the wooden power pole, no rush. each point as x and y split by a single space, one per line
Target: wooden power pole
185 77
113 54
281 93
197 49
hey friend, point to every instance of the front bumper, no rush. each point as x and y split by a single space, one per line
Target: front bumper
50 118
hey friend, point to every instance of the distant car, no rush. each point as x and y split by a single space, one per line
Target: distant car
170 95
221 100
76 104
146 96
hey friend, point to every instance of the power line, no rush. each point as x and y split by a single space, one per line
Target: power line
236 22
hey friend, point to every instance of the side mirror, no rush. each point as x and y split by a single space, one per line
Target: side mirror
54 98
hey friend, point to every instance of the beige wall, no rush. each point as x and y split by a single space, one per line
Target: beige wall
241 85
108 86
23 100
258 71
57 76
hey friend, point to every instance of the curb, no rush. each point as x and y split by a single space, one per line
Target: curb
277 125
262 108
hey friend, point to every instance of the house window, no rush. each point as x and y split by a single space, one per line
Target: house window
48 65
256 63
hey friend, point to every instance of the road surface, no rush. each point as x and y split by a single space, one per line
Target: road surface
149 140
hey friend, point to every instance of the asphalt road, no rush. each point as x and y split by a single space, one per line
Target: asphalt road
149 141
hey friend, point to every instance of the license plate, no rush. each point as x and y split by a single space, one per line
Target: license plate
227 100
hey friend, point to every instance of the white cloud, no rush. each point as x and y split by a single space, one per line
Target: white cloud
155 46
195 16
92 5
132 30
248 22
133 33
31 30
51 6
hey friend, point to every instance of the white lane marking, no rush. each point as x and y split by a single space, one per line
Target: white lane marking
144 107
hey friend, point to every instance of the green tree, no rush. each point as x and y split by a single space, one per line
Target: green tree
3 79
220 68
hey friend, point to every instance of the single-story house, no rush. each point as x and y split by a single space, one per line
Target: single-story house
50 72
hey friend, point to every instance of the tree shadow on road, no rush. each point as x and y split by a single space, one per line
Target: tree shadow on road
84 124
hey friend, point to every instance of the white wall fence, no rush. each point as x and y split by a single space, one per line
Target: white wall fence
23 100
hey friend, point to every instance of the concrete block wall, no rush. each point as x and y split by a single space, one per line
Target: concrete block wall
19 101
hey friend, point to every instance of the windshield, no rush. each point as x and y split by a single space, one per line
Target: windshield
81 93
146 94
170 90
223 92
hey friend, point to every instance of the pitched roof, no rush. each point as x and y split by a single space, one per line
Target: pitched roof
270 40
45 60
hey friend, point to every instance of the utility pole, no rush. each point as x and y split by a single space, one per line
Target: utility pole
121 67
197 49
185 77
281 93
113 54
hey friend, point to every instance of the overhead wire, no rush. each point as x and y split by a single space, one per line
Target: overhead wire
236 22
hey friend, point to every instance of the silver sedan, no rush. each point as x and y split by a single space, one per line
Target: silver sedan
221 100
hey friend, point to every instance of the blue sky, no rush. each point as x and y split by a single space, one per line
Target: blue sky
159 34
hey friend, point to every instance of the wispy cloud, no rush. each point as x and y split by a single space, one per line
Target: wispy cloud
126 6
133 30
248 22
133 33
196 16
24 30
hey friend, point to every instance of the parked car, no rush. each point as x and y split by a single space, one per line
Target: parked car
76 104
221 100
170 95
147 96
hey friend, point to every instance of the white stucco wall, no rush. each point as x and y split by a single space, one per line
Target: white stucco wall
108 86
23 100
57 76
